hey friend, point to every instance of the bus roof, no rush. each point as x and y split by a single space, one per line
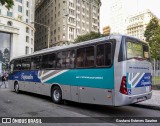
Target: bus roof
56 48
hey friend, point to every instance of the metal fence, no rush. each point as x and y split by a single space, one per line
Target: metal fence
156 72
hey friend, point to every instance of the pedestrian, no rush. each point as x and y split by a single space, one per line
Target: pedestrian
6 75
3 80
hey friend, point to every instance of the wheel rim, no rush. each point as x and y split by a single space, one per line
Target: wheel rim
56 95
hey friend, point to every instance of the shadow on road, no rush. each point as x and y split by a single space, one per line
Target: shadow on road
90 109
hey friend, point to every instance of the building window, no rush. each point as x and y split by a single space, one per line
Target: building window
9 23
31 50
19 8
58 29
32 32
78 1
58 37
27 50
59 13
19 1
9 14
27 4
63 36
27 12
32 41
27 39
27 30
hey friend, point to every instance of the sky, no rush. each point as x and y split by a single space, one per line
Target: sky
134 6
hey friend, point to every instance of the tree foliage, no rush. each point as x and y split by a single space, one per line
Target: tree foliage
7 3
152 35
88 36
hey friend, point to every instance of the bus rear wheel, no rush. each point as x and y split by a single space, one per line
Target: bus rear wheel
16 87
56 95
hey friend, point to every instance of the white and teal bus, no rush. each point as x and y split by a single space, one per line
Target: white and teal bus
113 70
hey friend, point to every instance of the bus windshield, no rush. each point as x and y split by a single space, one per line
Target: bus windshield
137 50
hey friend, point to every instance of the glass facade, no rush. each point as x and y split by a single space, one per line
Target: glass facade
5 47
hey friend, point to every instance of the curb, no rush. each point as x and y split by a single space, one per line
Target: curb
148 106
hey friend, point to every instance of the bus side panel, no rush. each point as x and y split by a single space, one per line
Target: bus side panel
98 83
118 74
119 69
66 92
95 96
87 85
74 93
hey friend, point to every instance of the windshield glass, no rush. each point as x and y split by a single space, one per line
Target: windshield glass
137 50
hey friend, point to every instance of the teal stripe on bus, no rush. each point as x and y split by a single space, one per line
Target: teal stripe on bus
95 78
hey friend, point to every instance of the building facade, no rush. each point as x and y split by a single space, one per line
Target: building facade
136 24
66 19
16 31
118 13
106 30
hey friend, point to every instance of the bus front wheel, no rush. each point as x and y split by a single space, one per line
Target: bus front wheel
16 87
56 95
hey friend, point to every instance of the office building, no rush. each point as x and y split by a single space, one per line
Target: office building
136 24
59 22
16 31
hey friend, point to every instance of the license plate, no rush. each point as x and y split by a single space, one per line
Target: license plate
140 99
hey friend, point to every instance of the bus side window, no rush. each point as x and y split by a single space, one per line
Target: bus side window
45 61
80 61
26 64
52 60
61 60
36 62
100 55
146 51
89 60
103 56
17 65
108 58
70 57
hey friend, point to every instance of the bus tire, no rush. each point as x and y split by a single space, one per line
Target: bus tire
56 95
16 87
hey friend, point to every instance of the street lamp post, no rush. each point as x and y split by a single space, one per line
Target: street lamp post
49 29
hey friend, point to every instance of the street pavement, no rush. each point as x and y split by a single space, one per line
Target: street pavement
32 105
154 102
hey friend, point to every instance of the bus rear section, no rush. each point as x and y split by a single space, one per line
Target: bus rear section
134 81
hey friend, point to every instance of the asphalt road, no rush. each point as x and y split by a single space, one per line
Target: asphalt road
32 105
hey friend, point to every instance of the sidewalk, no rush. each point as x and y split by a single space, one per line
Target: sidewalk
154 102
